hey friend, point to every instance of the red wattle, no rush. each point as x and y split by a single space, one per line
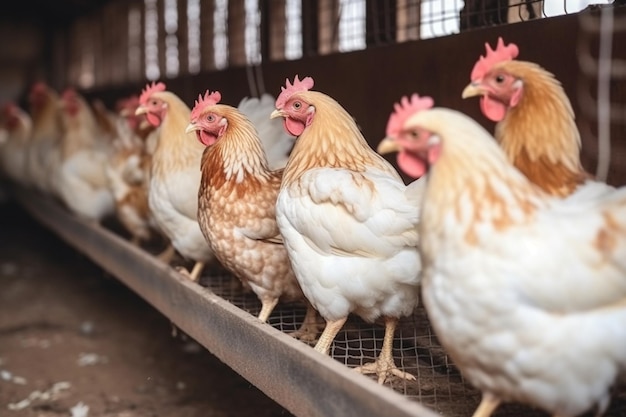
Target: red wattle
207 138
153 119
492 109
294 127
411 165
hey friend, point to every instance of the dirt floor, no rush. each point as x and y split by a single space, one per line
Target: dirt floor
71 335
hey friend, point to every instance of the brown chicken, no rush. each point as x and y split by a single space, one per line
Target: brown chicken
536 126
237 206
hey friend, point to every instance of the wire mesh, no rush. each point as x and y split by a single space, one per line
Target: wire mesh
438 385
603 77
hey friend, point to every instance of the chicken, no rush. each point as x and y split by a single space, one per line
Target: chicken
44 148
175 175
13 152
81 180
276 142
237 202
536 125
348 222
525 291
128 172
406 108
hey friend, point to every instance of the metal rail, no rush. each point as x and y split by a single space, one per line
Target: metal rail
291 373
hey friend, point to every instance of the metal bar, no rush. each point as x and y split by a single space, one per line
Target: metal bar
291 373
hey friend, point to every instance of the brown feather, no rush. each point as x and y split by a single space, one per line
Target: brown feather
539 135
237 209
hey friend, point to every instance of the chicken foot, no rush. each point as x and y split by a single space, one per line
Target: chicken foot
167 254
196 271
267 306
328 335
384 365
194 275
487 406
308 330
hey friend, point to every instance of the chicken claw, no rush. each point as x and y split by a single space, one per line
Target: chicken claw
308 330
194 275
384 365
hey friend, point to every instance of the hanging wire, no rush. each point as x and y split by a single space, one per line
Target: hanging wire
604 93
254 92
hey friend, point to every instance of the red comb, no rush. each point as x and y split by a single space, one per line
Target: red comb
500 54
209 99
9 108
149 90
286 92
406 108
130 102
69 94
39 87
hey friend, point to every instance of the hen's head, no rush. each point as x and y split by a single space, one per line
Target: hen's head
292 105
206 121
498 79
151 104
11 116
71 102
126 109
40 95
407 141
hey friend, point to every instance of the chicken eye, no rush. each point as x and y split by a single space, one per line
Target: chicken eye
210 118
297 105
499 79
414 134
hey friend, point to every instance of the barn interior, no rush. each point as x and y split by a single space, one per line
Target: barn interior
366 54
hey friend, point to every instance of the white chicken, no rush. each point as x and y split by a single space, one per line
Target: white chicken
81 179
276 142
175 175
348 222
526 291
13 152
44 145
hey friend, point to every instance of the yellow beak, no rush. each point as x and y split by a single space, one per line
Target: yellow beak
387 145
277 113
192 127
473 89
141 110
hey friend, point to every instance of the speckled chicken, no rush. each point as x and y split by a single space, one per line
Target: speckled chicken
175 175
348 221
525 291
237 203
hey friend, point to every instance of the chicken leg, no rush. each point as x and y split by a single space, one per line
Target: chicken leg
267 306
384 365
487 406
328 335
196 271
308 330
167 254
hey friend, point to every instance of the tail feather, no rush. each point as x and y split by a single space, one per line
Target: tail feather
276 141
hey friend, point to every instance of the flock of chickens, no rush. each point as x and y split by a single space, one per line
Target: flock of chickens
520 256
